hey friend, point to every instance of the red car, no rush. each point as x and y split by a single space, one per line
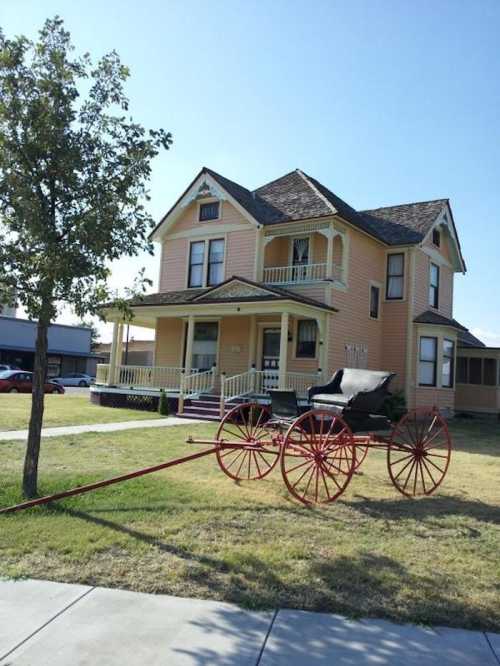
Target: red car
19 381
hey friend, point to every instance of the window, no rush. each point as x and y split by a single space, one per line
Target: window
427 361
196 263
434 286
300 251
475 371
215 262
306 338
204 345
436 237
490 372
447 375
395 276
374 301
462 367
209 211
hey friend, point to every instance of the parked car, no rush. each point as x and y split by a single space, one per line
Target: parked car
75 379
4 367
15 381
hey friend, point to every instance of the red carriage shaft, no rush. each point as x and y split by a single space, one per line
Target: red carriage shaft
108 482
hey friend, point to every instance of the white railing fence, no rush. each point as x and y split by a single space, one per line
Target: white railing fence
140 376
194 384
102 373
302 273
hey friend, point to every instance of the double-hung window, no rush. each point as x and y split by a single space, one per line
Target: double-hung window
395 276
434 286
306 338
206 268
427 361
215 262
196 264
374 301
448 378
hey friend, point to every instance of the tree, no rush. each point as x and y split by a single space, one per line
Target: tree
74 170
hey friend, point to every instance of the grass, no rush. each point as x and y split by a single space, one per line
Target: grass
191 531
61 410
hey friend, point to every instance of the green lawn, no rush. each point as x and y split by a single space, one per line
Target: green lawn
191 531
61 410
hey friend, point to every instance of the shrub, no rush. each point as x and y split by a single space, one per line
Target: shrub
163 403
394 406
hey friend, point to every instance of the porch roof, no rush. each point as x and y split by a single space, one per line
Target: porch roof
434 318
257 292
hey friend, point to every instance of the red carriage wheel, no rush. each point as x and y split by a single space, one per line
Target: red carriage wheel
246 425
360 454
419 452
318 457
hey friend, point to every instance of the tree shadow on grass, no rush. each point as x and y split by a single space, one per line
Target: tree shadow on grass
362 585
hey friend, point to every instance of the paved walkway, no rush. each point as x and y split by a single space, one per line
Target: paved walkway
99 427
54 624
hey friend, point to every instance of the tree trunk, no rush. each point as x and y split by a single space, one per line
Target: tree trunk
30 474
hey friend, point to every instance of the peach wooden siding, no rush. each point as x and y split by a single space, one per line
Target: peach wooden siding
169 341
240 246
352 324
277 252
471 397
240 253
233 345
443 399
422 272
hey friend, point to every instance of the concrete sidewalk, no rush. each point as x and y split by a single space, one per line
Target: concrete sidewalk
54 624
99 427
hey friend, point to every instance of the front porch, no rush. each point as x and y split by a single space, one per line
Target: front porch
229 350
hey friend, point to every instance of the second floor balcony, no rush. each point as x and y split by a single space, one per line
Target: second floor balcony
302 273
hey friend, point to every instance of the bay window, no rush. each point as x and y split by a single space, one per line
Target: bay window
427 373
448 378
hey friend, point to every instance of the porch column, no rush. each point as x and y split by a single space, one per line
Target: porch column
188 362
283 350
329 254
321 323
252 341
113 353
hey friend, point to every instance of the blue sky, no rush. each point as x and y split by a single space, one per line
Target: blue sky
384 102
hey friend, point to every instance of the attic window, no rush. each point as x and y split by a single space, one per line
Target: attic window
436 237
209 211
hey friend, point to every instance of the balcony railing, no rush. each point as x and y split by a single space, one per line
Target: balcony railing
140 376
294 274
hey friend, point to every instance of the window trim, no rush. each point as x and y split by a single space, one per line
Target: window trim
296 355
436 233
202 264
435 303
453 361
206 242
209 202
374 285
211 263
388 276
435 362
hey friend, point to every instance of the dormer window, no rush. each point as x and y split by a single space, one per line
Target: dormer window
209 211
436 237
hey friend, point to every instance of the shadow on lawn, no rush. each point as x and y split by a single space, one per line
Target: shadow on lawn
362 585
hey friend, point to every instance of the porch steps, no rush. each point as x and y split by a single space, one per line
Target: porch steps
206 407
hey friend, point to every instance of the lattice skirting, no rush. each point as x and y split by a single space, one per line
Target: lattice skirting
147 403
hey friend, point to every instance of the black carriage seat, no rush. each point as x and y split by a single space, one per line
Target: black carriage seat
353 390
284 409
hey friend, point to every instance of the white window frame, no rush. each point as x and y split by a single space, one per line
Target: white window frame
378 286
401 298
208 200
206 241
295 341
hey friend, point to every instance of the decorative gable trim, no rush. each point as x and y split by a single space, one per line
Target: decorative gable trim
445 221
234 289
203 187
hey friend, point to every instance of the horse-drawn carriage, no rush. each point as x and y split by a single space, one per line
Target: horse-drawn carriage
320 449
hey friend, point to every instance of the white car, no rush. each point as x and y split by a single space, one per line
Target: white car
74 379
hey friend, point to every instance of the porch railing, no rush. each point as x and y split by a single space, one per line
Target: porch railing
140 376
195 383
302 273
259 381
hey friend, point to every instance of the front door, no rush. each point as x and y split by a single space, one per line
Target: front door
271 357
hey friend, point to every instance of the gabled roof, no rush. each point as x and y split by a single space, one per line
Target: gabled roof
257 292
298 196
